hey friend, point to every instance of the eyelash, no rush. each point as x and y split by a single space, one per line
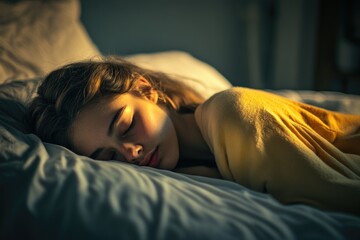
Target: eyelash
113 154
130 127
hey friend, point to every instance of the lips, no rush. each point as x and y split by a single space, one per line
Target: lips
154 159
151 159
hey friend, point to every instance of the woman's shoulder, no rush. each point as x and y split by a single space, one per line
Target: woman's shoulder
226 102
237 94
243 92
235 97
237 104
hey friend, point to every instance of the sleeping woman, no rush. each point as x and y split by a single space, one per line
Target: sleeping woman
110 109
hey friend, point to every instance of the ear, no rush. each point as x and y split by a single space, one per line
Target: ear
144 87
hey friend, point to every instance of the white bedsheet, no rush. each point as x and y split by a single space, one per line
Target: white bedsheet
49 192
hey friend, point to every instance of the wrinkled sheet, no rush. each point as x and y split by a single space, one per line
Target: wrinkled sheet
49 192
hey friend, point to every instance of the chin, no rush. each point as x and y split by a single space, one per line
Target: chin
169 158
168 163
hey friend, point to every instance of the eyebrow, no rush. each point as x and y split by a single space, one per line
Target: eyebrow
117 115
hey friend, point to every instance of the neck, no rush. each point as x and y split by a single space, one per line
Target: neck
192 145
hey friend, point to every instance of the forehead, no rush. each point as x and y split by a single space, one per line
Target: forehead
104 104
97 108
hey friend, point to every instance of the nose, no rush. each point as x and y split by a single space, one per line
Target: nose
131 152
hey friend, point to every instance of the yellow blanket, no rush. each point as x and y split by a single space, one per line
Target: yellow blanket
296 152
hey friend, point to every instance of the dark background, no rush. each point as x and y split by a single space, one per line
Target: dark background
274 44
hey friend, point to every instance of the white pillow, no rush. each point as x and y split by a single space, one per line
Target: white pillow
198 74
37 36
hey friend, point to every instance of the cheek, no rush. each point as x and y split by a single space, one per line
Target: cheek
154 124
157 129
169 148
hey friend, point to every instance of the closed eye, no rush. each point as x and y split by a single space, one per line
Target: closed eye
130 126
113 156
106 156
113 122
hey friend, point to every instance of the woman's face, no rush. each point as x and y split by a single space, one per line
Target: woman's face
126 128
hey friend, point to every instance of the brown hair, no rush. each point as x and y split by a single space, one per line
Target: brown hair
65 91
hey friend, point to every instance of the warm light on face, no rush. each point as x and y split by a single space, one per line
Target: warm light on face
126 128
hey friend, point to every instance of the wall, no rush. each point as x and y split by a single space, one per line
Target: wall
256 43
294 44
211 30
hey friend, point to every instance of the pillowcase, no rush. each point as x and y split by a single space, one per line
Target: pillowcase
14 96
182 66
37 36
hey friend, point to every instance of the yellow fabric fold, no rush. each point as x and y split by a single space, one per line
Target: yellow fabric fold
296 152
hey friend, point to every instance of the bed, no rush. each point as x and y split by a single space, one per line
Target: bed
49 192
